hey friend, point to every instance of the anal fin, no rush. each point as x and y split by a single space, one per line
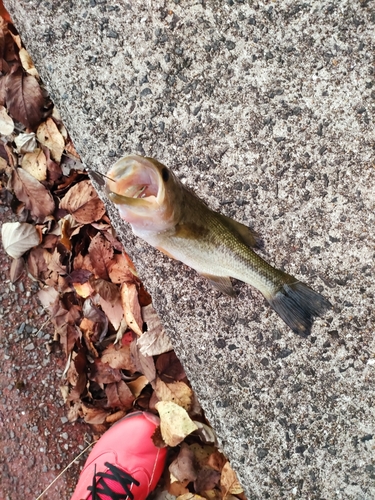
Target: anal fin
221 283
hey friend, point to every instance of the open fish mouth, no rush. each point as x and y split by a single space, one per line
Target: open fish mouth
134 177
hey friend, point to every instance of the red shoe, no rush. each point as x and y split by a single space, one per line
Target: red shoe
124 464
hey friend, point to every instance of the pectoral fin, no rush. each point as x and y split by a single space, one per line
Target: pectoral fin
221 283
249 237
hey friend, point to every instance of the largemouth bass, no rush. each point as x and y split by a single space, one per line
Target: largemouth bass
171 218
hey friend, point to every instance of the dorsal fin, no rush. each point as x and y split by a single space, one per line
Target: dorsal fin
248 236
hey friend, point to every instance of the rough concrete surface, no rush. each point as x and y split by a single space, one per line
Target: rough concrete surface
266 109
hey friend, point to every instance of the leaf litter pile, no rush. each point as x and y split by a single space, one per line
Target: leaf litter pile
119 359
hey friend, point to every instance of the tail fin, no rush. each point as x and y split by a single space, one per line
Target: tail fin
297 305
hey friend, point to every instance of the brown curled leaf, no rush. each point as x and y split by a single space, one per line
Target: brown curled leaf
32 193
83 203
24 98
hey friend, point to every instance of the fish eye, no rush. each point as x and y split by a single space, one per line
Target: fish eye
165 174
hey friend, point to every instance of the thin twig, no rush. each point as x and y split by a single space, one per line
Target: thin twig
44 324
64 470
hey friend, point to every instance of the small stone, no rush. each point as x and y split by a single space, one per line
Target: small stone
220 343
262 453
230 45
301 449
21 327
30 347
366 437
112 34
196 110
146 91
284 353
64 420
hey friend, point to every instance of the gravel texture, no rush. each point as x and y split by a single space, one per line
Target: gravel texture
267 111
36 440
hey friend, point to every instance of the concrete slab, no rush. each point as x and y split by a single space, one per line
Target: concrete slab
267 111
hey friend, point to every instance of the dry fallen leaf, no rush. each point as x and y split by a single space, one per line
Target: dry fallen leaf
207 479
18 238
154 341
16 269
34 195
119 357
83 289
37 263
26 143
114 311
175 423
94 415
229 482
102 373
206 433
213 495
107 291
69 334
121 269
48 296
132 309
49 135
144 364
216 461
6 122
137 385
114 417
83 203
190 496
101 253
202 453
119 396
177 392
176 488
182 467
75 410
24 98
169 367
35 164
27 63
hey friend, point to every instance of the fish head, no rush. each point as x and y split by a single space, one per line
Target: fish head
144 191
